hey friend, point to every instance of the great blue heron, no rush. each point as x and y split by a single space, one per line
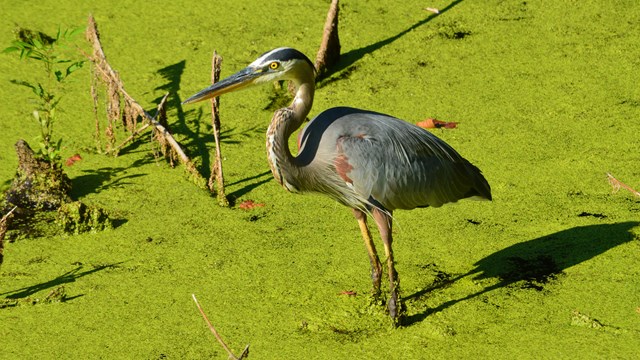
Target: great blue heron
370 162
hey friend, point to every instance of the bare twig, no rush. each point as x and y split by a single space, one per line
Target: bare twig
132 136
244 354
152 121
4 225
216 180
617 184
6 216
94 96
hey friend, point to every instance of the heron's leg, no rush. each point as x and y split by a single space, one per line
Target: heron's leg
376 267
383 220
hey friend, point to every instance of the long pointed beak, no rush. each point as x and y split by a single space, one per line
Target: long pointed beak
237 81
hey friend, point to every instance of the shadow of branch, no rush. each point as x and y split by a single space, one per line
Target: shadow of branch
351 57
253 182
68 277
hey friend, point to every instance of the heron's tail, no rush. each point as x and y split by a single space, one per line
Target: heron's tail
481 190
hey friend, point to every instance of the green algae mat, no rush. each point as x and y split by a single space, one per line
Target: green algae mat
547 99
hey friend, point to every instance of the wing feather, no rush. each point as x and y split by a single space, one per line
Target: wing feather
389 161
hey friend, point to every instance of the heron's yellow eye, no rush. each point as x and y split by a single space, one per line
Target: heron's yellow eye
274 65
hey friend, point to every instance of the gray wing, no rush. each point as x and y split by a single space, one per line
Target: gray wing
394 163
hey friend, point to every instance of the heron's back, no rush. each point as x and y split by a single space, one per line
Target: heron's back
363 158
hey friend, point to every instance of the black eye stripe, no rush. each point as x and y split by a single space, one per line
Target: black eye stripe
286 54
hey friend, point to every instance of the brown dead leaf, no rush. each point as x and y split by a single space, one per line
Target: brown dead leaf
348 293
72 160
249 204
432 123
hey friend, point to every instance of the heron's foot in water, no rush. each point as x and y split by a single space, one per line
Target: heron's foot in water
396 307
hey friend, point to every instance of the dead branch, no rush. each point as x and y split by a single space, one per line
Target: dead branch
329 52
132 136
617 184
152 121
216 180
132 109
245 352
4 225
94 96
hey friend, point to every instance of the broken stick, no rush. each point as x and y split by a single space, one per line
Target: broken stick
617 184
216 180
244 354
152 121
4 225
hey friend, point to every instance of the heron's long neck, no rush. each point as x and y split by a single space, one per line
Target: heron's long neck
284 123
303 101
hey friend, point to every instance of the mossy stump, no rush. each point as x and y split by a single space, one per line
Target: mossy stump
38 184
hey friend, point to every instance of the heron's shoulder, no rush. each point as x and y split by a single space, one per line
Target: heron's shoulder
368 122
344 117
351 113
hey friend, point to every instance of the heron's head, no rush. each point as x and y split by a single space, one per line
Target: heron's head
278 64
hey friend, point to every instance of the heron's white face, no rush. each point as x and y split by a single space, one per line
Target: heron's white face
272 69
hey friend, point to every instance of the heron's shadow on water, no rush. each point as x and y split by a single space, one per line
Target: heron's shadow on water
534 262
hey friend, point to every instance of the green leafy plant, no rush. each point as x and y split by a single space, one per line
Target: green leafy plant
31 45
